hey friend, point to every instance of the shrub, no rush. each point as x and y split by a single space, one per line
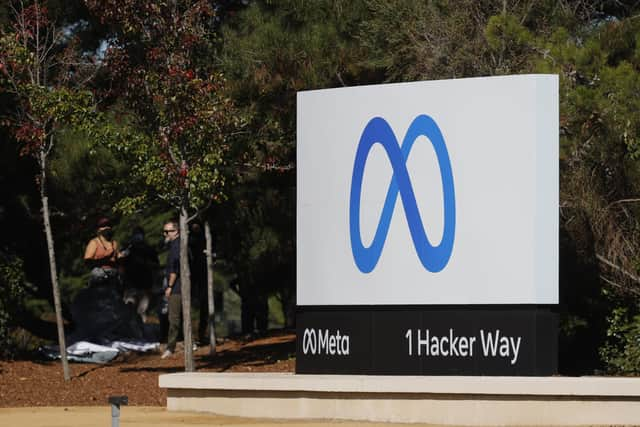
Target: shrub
621 354
12 292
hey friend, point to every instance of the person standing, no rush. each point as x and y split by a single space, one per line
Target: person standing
101 254
198 265
140 262
173 291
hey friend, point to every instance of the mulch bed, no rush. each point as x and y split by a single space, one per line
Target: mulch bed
40 382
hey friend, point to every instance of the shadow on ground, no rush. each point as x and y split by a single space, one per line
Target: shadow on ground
261 352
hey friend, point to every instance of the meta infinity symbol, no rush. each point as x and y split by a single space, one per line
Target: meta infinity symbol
378 131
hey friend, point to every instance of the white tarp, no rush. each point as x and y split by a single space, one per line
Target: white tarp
88 352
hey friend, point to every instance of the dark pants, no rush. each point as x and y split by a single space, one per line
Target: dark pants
175 315
255 313
203 308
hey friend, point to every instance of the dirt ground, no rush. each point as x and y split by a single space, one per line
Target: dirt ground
32 383
34 394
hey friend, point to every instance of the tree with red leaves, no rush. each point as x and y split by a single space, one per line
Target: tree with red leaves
39 67
178 121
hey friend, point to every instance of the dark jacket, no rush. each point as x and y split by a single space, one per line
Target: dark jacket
173 264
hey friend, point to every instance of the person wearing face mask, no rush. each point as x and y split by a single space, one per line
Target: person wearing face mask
101 254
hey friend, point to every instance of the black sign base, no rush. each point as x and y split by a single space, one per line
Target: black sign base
427 340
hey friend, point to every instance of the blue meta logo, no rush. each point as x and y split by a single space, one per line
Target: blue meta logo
378 131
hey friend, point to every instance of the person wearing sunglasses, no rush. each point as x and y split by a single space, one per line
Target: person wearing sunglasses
172 292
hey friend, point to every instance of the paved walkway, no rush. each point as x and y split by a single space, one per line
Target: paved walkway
140 416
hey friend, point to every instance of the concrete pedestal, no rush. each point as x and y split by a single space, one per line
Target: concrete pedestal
566 401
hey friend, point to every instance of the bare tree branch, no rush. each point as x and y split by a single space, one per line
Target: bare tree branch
621 287
618 268
200 211
623 201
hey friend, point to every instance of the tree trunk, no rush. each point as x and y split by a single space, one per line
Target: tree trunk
52 266
210 300
185 285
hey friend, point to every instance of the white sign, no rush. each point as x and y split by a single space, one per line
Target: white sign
439 192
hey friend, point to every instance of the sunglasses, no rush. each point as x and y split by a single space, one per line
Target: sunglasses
168 231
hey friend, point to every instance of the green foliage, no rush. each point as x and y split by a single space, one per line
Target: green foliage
452 39
198 107
599 131
175 134
256 234
425 40
622 352
510 42
272 50
39 70
81 166
87 181
12 284
502 30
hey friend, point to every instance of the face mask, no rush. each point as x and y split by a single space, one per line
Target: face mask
107 234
